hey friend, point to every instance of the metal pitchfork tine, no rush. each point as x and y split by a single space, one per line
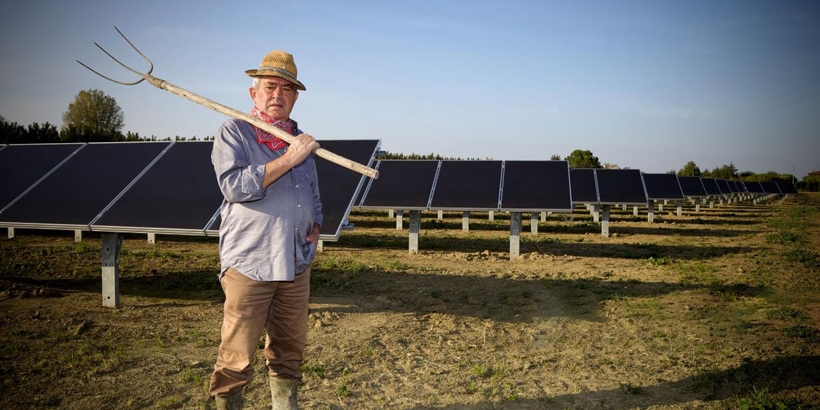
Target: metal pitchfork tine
164 85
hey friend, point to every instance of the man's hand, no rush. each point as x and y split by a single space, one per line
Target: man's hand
313 236
300 148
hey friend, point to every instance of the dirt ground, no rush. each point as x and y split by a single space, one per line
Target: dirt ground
711 310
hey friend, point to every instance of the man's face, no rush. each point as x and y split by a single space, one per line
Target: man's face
275 97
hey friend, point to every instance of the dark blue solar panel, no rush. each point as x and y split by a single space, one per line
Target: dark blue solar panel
692 186
711 186
662 187
770 187
620 186
724 186
22 165
179 192
536 186
786 187
76 192
467 185
401 185
584 186
736 186
337 185
754 187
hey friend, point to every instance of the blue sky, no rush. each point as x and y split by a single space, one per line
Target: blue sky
642 84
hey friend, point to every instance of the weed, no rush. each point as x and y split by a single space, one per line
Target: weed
317 369
192 376
803 332
785 238
699 273
631 389
808 259
342 389
785 314
397 265
479 370
760 400
663 260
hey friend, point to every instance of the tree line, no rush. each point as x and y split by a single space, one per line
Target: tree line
92 116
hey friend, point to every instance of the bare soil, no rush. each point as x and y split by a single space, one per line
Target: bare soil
715 309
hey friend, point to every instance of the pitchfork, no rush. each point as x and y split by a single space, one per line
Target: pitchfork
164 85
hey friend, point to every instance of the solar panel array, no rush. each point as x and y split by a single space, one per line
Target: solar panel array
513 186
144 187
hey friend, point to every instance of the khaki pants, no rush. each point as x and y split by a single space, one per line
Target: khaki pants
278 308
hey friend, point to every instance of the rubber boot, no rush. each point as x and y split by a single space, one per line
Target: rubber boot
232 402
283 393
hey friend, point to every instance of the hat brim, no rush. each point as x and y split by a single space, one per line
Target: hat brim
266 73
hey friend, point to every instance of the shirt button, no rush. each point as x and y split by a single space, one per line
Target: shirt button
299 206
297 186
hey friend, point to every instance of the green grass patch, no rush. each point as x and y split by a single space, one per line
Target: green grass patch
806 258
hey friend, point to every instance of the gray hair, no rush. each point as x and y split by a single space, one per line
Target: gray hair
255 84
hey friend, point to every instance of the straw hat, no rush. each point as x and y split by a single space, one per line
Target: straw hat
280 64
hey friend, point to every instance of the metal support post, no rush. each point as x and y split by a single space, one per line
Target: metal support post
605 222
111 246
415 226
515 235
465 221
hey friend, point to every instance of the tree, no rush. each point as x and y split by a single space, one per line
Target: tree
689 170
583 159
11 132
555 157
728 171
93 116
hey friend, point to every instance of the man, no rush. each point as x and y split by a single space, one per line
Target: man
271 216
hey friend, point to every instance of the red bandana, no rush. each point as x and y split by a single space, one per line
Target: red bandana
262 136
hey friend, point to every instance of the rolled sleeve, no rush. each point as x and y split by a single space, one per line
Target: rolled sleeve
239 179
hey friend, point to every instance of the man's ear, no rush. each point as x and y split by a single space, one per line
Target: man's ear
252 92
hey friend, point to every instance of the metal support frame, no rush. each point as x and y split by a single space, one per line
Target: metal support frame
111 246
78 236
605 221
10 232
680 208
152 238
465 221
650 213
415 226
534 223
515 235
399 219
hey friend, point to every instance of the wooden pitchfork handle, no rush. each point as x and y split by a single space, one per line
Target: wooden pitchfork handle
164 85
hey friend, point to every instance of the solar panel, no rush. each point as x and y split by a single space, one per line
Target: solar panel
22 165
711 186
754 187
402 184
467 185
736 187
584 186
770 187
339 186
177 195
662 187
621 186
692 186
76 192
724 186
536 186
786 187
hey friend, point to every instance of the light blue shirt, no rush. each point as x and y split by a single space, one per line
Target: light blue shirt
264 230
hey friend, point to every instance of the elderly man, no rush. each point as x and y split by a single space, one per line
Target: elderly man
271 216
